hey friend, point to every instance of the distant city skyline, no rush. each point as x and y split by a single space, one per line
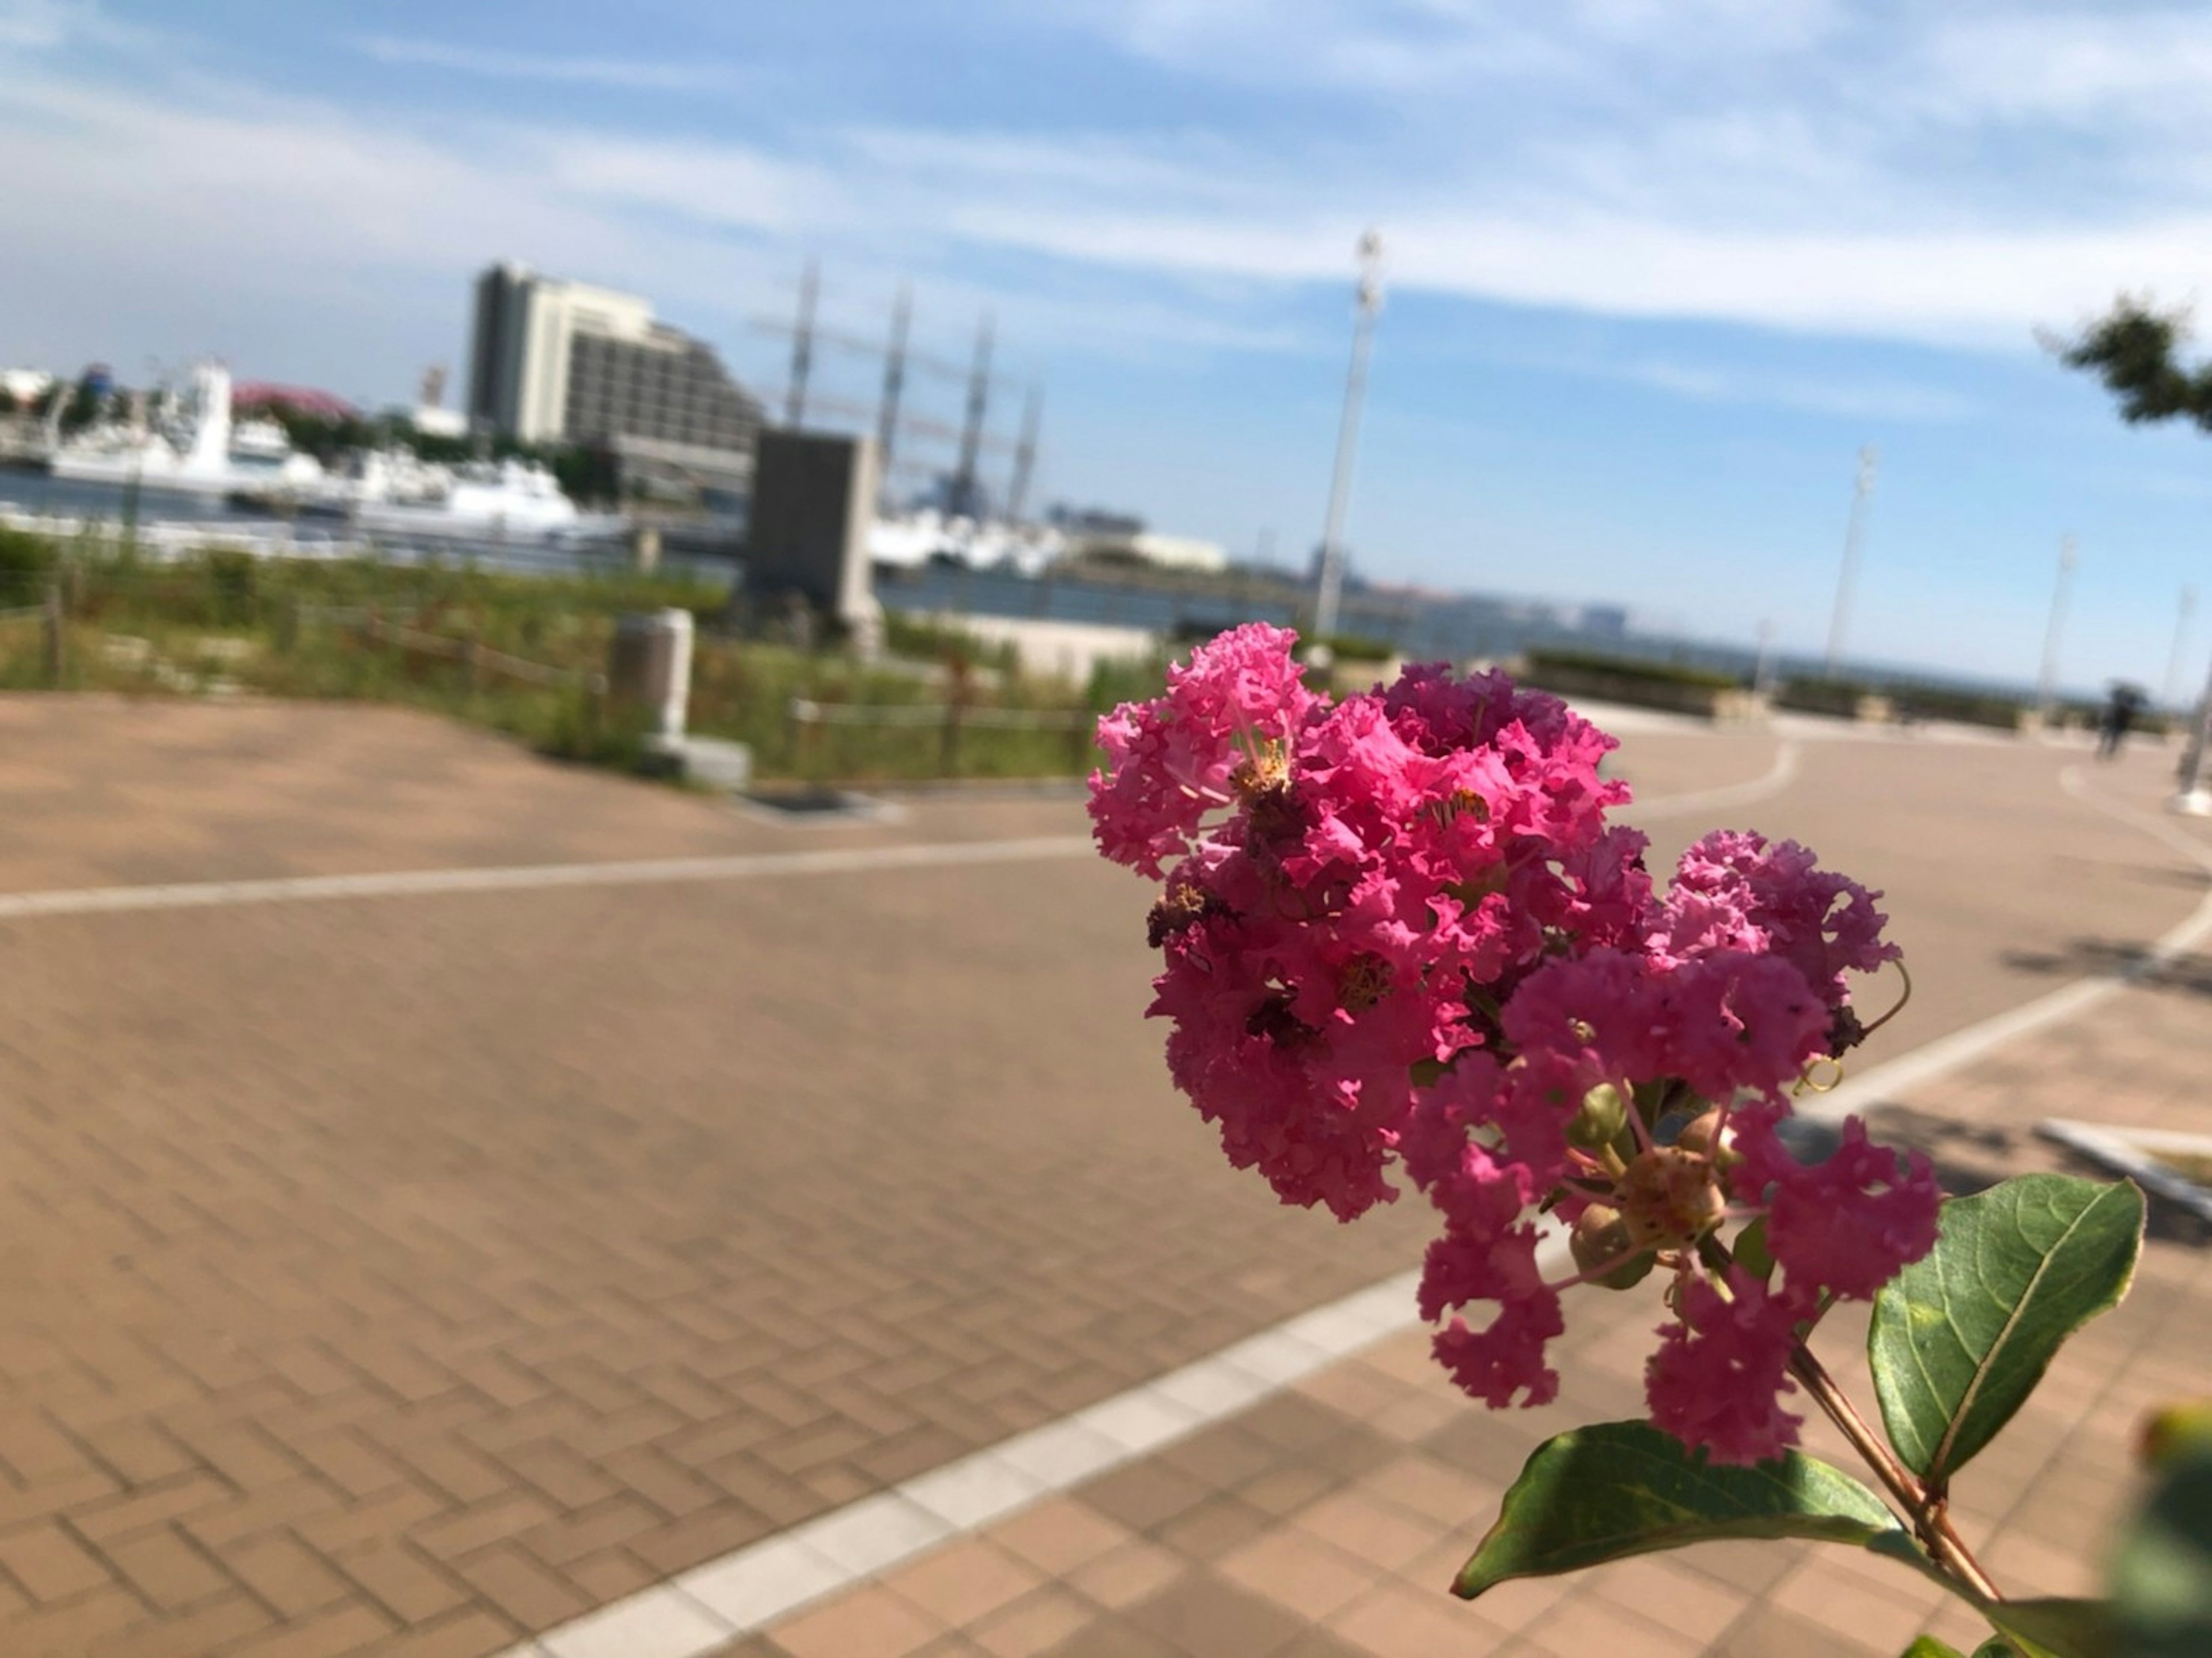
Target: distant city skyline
1658 271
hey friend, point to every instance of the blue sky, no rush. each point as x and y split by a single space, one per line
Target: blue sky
1656 267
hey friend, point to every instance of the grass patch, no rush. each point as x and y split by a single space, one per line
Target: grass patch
1630 667
224 620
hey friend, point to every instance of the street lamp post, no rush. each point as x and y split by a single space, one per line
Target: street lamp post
1329 593
2170 689
2046 687
1854 534
2192 792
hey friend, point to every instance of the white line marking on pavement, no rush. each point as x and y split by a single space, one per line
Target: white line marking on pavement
1945 1054
1777 777
422 882
702 1609
522 878
713 1604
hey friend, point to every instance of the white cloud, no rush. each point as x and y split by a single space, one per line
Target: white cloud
2074 67
47 26
624 73
1781 203
1858 399
1393 47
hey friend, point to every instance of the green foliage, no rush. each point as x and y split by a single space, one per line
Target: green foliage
1965 707
1349 647
2162 1573
1960 1338
232 576
925 639
1114 681
1630 667
25 563
1623 1488
156 628
2134 350
2051 1628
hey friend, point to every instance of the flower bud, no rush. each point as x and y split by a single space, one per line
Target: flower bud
1604 1114
1705 1136
1600 1236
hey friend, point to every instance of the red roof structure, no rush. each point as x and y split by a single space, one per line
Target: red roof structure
300 399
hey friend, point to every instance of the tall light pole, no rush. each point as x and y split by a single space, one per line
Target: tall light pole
2169 691
802 348
2046 684
2192 792
1330 592
1854 534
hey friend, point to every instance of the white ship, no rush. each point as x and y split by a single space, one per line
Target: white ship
377 477
928 537
508 498
197 452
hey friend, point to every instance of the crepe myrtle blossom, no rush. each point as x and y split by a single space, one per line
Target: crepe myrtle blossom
1402 947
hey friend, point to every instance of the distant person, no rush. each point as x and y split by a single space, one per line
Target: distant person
2119 716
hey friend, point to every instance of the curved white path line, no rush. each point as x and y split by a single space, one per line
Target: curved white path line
1777 777
1948 1054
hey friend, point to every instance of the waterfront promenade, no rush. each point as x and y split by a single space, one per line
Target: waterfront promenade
613 1181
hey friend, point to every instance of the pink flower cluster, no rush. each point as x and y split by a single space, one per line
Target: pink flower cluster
1398 932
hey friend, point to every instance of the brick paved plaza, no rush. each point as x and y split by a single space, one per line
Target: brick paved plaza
415 1272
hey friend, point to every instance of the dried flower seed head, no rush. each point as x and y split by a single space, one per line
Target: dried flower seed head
1670 1198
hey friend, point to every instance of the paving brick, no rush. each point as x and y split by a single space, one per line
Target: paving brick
51 1564
165 1568
409 1586
375 1519
337 1633
455 1534
870 1623
610 1575
291 1502
293 1578
783 1202
510 1578
89 1623
211 1626
607 1526
472 1634
185 1498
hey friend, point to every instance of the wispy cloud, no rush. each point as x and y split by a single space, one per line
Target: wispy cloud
43 26
1856 400
1787 201
1393 47
629 75
2074 67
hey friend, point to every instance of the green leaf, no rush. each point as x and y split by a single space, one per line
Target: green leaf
2163 1575
1959 1340
2054 1628
1928 1647
1620 1488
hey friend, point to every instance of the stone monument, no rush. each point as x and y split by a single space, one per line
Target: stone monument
814 503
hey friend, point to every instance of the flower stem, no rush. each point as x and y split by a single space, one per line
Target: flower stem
1930 1519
